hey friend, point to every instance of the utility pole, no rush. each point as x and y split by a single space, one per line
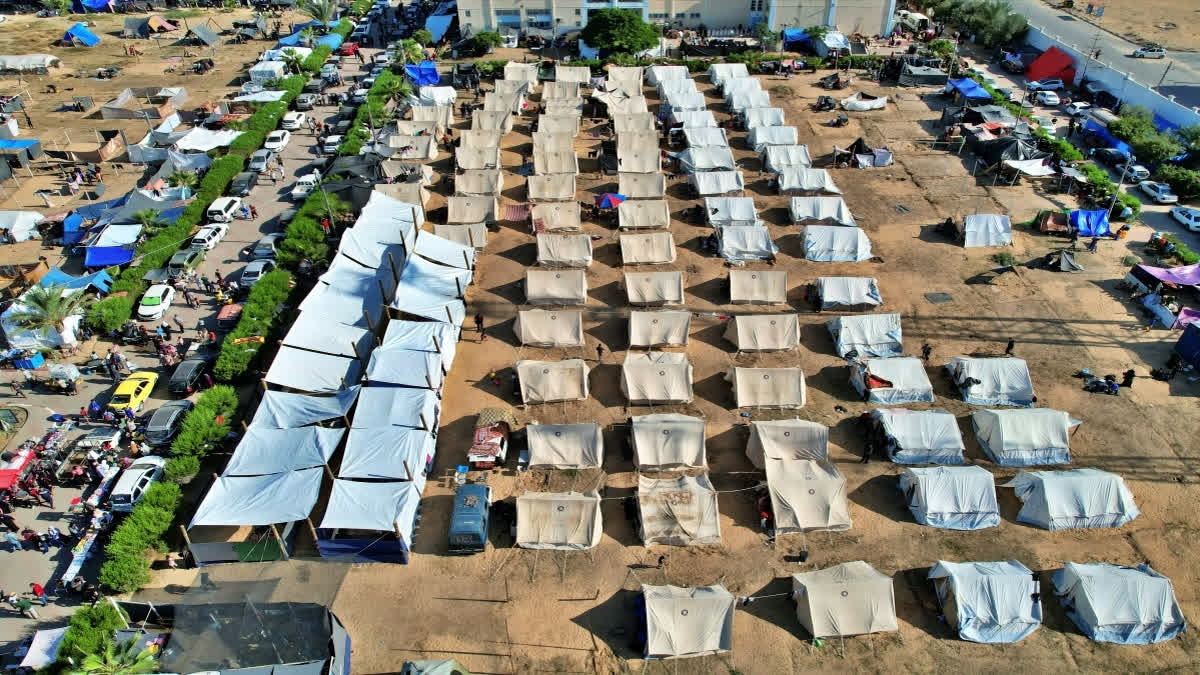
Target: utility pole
1164 75
1091 50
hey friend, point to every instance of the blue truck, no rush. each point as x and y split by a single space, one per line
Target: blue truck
469 520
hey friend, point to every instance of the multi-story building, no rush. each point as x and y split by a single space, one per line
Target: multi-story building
849 16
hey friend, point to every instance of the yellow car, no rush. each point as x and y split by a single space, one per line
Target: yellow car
133 391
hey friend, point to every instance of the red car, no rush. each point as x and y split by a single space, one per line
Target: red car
348 49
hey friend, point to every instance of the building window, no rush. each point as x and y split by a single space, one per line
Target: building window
659 15
578 12
695 15
681 15
467 13
756 5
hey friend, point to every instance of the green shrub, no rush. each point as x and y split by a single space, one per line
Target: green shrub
201 430
423 37
1134 204
1184 254
1185 182
313 62
127 567
164 496
260 317
485 40
108 314
1003 258
491 68
181 467
91 628
361 7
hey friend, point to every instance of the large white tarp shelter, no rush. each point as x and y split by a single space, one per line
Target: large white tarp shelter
263 450
738 85
763 332
706 136
1079 498
848 292
668 441
678 511
643 214
684 100
477 158
651 248
768 387
260 500
758 287
718 73
760 138
565 446
637 121
787 439
43 649
859 101
551 381
555 217
556 287
570 108
708 158
826 210
656 75
480 138
396 407
920 436
561 90
992 381
688 621
406 368
654 288
717 182
548 141
1024 437
990 602
525 72
432 95
763 117
423 336
807 495
657 328
443 115
377 507
564 250
800 178
266 70
549 328
643 159
620 102
1125 605
580 74
848 599
900 379
486 120
745 242
832 243
551 187
987 229
951 497
388 452
693 119
656 378
641 185
730 211
285 410
867 335
782 158
560 521
313 372
749 100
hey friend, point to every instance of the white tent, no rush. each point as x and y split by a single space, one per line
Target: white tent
625 74
467 158
689 621
987 229
278 54
580 74
900 379
749 100
549 141
833 243
951 497
20 225
787 439
388 508
693 119
1079 498
43 649
564 250
620 103
718 73
285 410
656 378
848 599
525 72
641 185
645 159
263 450
556 287
637 141
551 381
465 209
859 101
479 182
313 372
560 521
706 136
506 87
990 602
730 211
654 288
717 182
561 89
663 327
768 387
992 381
738 85
784 158
829 210
867 335
486 120
558 124
555 217
406 368
758 287
656 75
260 500
668 441
1024 437
555 161
920 436
380 407
763 117
798 178
388 452
549 328
651 248
678 511
264 71
565 446
551 187
807 495
416 192
848 292
684 100
760 138
637 121
21 338
562 108
1126 605
643 213
479 138
708 158
423 336
763 332
431 95
473 234
511 102
745 242
441 115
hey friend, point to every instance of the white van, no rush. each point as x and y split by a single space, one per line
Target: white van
1101 117
132 484
223 209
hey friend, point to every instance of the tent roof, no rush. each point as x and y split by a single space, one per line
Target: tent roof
549 328
758 286
848 291
556 287
564 521
936 495
259 500
1075 498
678 511
382 507
643 213
764 332
745 242
708 158
204 34
807 495
654 288
768 387
263 450
380 407
656 377
1131 605
642 185
81 33
383 452
43 650
650 248
717 182
847 599
987 229
668 440
662 327
831 210
792 439
730 211
406 368
921 436
867 334
313 372
806 179
687 621
763 117
992 381
832 243
705 136
284 410
900 376
993 599
316 333
564 250
550 381
565 446
551 186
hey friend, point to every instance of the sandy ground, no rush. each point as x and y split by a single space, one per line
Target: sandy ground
1172 23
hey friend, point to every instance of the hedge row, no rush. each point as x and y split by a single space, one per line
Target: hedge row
1183 254
313 62
92 627
259 318
206 425
127 564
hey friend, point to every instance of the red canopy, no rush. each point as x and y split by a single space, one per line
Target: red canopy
1053 62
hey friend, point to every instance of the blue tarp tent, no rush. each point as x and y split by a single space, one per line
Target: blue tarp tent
992 602
85 6
423 74
104 256
1188 346
1125 605
333 41
795 36
1090 223
92 211
292 40
970 89
438 25
73 229
56 277
80 33
1090 127
1164 125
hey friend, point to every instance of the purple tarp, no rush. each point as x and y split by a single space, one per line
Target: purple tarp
1182 276
1186 315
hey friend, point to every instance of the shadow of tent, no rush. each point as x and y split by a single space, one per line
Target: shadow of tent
714 291
617 623
608 255
612 333
882 495
611 294
917 603
513 291
617 525
835 382
816 337
778 611
604 385
715 390
505 331
714 335
523 254
791 244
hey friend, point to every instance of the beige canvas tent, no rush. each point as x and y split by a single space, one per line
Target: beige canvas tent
768 387
406 172
565 446
480 138
555 161
492 120
642 185
474 234
467 209
548 141
549 328
643 214
412 128
509 86
625 74
619 103
479 182
558 124
526 73
409 147
560 521
764 332
441 115
843 600
580 74
559 89
678 511
788 439
656 378
758 287
663 327
654 288
807 495
556 287
625 122
683 622
668 441
563 107
651 248
503 102
551 187
641 160
477 158
551 381
564 250
409 193
555 217
632 141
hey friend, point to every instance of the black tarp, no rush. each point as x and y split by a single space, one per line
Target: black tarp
1000 149
136 27
979 114
922 76
205 35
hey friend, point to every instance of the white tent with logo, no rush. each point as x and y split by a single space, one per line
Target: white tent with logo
559 521
1079 498
654 288
992 381
693 119
684 622
549 328
708 158
678 511
866 335
555 161
657 328
640 214
760 138
1024 437
551 187
718 73
951 497
565 446
624 123
487 120
641 185
564 250
556 217
799 178
668 441
705 137
465 234
763 332
794 438
479 182
580 74
651 248
848 292
745 242
920 436
680 86
656 75
989 602
558 124
556 287
552 381
644 159
656 378
900 379
1125 605
833 243
466 209
758 287
768 387
826 210
525 72
807 495
561 89
847 599
763 117
547 141
707 183
748 100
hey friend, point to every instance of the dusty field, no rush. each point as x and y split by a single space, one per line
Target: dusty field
517 611
1168 22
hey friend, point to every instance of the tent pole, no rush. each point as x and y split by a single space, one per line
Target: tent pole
407 470
437 345
458 284
392 265
357 355
329 472
424 423
367 316
311 528
282 549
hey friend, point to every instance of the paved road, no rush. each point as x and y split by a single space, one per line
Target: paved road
1183 80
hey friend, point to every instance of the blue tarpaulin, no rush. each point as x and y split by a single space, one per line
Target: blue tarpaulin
73 229
1090 223
438 25
80 32
970 89
333 41
1164 125
84 6
92 211
1188 346
292 40
794 35
104 256
1094 129
423 74
56 277
16 144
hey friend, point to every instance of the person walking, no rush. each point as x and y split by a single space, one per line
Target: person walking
47 496
1127 378
178 323
17 390
10 522
599 353
129 413
479 327
166 328
13 541
1008 351
253 212
38 592
926 351
868 450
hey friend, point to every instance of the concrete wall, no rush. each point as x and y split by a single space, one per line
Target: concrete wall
1124 87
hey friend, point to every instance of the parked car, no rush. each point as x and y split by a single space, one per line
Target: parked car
1045 85
208 236
280 221
1150 52
243 183
382 58
1045 97
155 302
305 185
293 121
328 70
133 391
277 140
1188 217
359 95
265 247
165 422
186 378
254 271
1159 192
316 86
223 209
469 519
1077 108
134 481
183 261
260 160
331 145
306 101
348 48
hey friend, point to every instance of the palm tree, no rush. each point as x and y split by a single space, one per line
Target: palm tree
306 35
293 60
182 179
322 11
411 51
397 90
127 658
149 218
47 308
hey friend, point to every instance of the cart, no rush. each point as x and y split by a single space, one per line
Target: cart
493 432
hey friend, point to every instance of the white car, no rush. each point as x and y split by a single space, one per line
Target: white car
132 484
155 302
359 95
277 140
293 121
1189 218
1045 85
1159 192
208 236
1151 52
305 185
1047 98
383 58
331 144
1077 108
